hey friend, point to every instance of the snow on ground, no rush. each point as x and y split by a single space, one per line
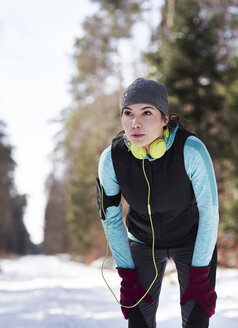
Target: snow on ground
54 292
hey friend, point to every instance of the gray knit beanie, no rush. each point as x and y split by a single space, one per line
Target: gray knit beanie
146 92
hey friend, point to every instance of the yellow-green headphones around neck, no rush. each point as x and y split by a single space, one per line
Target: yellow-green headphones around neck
157 147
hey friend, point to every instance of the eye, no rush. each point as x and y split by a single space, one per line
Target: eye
147 112
127 112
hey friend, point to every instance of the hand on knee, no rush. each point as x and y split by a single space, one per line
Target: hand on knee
200 290
131 289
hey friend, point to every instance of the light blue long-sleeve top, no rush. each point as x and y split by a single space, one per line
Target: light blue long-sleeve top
199 168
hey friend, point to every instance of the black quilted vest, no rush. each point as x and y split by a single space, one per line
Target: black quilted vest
173 204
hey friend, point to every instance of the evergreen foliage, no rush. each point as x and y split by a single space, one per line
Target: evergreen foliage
194 56
56 237
14 237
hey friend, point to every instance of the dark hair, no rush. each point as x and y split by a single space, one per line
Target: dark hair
174 119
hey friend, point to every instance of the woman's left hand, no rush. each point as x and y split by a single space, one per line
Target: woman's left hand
200 290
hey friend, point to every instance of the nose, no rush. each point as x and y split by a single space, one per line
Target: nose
135 123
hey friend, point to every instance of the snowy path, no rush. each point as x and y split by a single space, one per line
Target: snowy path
49 292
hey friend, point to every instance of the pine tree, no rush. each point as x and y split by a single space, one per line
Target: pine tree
14 237
56 234
195 57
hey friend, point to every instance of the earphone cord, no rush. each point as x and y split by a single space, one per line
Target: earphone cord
153 246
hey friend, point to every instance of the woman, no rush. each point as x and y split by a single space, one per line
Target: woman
161 168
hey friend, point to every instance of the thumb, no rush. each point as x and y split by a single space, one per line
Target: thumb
149 299
125 312
184 298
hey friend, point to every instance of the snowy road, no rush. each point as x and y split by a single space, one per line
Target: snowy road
53 292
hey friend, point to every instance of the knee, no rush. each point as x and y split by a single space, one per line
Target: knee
137 319
197 318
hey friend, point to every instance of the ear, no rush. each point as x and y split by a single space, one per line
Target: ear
166 120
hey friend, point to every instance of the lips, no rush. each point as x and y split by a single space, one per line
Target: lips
137 135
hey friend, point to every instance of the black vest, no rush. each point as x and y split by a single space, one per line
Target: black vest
173 204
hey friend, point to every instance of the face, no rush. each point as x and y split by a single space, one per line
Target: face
143 124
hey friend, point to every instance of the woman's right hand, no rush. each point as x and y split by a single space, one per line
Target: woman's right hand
131 289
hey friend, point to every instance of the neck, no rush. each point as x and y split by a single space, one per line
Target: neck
147 147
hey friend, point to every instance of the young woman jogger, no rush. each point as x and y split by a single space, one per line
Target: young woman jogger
166 175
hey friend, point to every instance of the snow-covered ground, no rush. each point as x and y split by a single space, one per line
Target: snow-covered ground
53 292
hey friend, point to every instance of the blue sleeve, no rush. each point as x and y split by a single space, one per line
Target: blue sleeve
118 239
199 168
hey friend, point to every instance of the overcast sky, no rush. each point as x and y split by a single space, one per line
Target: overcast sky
36 48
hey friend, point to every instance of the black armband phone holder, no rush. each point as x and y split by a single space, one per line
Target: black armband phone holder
106 201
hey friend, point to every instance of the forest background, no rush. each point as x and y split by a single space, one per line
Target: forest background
193 50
